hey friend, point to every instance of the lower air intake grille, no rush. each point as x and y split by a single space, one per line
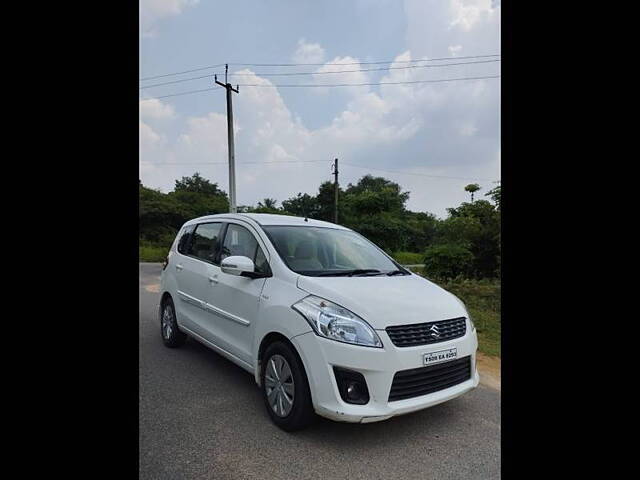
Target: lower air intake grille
425 380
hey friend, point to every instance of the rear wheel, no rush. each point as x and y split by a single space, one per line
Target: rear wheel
171 336
285 388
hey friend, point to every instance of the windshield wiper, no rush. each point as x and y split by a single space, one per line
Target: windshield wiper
351 273
396 272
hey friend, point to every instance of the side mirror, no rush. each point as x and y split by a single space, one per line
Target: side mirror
237 265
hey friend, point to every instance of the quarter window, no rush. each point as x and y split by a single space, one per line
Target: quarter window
206 241
185 239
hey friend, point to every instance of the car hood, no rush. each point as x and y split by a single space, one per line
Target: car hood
384 301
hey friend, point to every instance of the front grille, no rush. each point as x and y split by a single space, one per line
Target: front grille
425 380
426 333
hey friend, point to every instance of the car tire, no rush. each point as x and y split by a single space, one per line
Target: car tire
171 335
300 414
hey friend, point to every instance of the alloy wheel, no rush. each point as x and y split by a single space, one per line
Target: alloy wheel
167 322
279 385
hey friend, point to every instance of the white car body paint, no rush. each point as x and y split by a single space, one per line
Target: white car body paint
233 314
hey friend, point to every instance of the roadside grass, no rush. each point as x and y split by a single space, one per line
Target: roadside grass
408 258
148 253
482 298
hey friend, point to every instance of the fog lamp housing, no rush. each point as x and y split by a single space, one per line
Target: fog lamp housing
352 386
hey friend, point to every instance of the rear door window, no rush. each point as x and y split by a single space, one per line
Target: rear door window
206 242
185 239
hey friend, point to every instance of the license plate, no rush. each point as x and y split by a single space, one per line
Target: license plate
440 356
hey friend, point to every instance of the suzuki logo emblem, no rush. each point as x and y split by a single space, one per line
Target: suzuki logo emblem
435 331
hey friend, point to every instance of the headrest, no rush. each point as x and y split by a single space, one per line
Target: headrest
304 250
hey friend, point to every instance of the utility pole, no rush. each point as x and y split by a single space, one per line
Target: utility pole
335 186
232 159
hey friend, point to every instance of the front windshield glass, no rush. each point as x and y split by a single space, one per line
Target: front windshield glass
318 251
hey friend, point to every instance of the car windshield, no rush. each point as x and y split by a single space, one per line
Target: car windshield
319 251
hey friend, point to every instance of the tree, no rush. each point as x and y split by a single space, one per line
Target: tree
472 188
302 205
374 194
197 184
466 243
326 199
161 215
484 239
268 203
375 207
495 194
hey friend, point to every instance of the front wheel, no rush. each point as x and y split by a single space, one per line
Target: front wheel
171 336
285 388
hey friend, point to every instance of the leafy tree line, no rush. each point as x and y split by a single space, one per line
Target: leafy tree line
466 243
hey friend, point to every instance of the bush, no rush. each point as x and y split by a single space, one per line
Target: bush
408 258
483 301
448 261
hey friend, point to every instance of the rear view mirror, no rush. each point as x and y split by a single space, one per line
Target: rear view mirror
237 265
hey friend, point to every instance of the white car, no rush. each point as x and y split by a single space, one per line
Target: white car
325 320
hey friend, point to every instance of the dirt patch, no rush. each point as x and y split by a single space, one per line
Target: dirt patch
155 288
489 369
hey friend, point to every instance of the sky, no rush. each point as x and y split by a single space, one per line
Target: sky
431 138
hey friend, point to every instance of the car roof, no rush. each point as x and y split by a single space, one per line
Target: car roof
265 219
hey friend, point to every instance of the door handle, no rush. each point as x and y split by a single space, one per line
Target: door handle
179 267
214 279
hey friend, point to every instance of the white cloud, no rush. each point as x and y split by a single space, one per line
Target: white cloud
468 129
466 13
205 139
308 52
154 109
153 10
454 50
148 138
434 25
352 75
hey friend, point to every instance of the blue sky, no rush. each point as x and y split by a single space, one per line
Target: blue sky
444 129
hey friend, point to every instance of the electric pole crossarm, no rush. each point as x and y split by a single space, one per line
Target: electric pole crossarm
228 85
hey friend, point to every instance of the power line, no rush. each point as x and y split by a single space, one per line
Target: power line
403 82
180 73
416 173
361 63
264 74
209 75
317 64
183 93
365 167
225 163
407 82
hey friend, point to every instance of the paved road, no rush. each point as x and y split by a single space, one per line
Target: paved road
201 417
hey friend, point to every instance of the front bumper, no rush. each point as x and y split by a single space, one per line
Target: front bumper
378 366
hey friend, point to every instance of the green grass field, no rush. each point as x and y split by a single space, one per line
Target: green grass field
152 254
482 298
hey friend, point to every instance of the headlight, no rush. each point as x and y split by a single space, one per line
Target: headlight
336 323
